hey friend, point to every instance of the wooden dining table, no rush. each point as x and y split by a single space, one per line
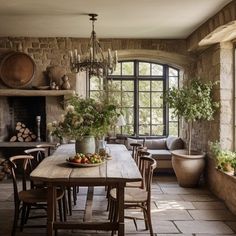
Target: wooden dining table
116 172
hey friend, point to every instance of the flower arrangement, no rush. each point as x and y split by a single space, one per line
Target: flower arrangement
84 117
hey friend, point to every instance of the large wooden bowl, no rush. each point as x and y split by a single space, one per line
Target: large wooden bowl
17 69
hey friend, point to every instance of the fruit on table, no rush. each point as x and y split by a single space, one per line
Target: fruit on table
86 158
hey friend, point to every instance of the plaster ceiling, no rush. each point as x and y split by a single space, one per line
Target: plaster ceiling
116 19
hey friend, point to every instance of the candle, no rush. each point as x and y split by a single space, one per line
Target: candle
71 56
91 53
78 58
76 52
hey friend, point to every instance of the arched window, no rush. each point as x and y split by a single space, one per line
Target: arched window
138 87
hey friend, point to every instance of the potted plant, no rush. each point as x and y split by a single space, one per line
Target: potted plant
84 120
225 159
193 102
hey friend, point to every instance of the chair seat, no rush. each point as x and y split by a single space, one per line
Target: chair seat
132 195
37 195
137 184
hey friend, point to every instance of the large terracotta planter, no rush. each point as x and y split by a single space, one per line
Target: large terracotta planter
85 145
188 168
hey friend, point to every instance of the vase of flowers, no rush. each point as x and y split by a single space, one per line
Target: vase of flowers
84 120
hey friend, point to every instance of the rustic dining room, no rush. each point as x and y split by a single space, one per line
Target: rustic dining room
117 117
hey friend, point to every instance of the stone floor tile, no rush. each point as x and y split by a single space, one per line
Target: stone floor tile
180 190
174 234
175 205
160 214
173 197
212 215
198 198
203 227
214 234
209 205
164 227
231 224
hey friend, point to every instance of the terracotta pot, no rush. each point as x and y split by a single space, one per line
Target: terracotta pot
188 168
85 145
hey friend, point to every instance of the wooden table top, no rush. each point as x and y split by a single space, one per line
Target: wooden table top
54 168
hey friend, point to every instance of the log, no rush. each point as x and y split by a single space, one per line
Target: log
25 135
20 139
23 125
26 131
19 135
33 136
28 139
18 127
22 130
18 124
13 139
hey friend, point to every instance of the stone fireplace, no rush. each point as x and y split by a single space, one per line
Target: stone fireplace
25 105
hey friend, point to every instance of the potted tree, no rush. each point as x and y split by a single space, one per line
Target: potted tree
193 102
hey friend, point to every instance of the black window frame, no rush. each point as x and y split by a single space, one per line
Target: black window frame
136 78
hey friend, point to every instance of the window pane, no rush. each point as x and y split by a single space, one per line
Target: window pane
157 101
173 128
171 115
144 99
115 85
157 85
128 99
144 85
157 116
96 83
173 72
157 69
128 129
95 94
115 97
118 70
144 116
127 85
144 130
173 82
127 68
144 68
128 115
157 129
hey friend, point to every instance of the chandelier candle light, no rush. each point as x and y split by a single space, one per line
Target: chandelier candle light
94 62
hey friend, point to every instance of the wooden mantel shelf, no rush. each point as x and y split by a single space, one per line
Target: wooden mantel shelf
34 93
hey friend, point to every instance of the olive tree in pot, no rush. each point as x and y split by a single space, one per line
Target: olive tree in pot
193 102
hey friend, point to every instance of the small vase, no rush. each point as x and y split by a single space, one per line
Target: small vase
85 145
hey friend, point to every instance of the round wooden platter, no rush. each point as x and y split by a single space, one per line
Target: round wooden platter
17 69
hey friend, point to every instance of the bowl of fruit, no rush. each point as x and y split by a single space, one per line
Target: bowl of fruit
85 160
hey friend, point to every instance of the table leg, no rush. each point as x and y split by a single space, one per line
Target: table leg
121 220
51 209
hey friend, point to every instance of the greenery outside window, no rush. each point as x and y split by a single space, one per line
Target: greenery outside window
138 87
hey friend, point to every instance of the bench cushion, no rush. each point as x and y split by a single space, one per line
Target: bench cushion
156 144
160 154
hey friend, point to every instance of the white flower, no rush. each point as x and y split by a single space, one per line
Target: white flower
70 108
62 117
54 123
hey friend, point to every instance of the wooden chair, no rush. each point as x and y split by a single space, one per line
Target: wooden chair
25 199
39 154
137 197
48 146
134 148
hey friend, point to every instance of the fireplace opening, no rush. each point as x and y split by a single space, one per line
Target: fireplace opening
26 110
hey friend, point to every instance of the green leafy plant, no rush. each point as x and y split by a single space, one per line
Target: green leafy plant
192 102
85 117
223 158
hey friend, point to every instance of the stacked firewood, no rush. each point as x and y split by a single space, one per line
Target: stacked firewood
23 134
4 168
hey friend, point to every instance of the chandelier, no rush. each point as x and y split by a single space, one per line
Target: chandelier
94 62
